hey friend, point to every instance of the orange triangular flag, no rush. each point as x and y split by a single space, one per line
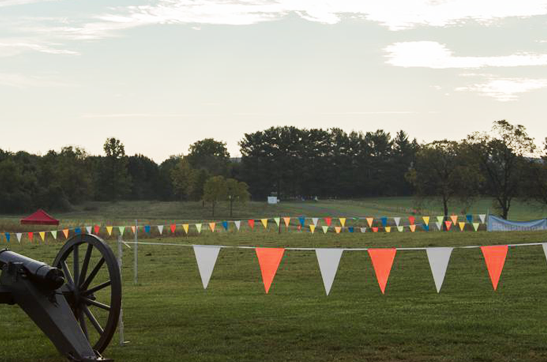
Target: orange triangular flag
494 256
133 229
454 219
382 261
269 259
337 229
448 224
412 227
370 220
65 233
287 220
186 227
212 226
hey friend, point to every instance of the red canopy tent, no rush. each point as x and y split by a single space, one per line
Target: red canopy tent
40 217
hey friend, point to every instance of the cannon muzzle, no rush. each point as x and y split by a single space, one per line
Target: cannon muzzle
43 274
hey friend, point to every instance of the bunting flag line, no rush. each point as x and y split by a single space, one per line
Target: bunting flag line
237 224
97 230
461 224
448 224
312 228
440 219
454 219
342 221
337 229
426 227
78 231
314 220
328 260
19 235
397 220
412 227
251 223
384 221
269 260
225 225
411 220
147 229
42 235
277 221
388 229
133 229
198 228
426 220
160 229
328 220
469 218
120 228
264 222
109 230
212 226
482 217
363 230
382 261
400 229
302 220
8 237
439 226
287 220
476 226
31 236
494 257
438 261
186 228
370 220
325 229
173 228
206 257
54 234
350 229
375 229
88 229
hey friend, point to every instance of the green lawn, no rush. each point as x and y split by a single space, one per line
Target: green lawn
169 317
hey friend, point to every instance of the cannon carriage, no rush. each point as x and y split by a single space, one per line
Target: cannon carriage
76 301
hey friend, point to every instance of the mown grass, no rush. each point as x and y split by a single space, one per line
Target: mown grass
169 317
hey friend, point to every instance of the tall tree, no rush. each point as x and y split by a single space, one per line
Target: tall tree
115 181
215 190
236 192
501 154
209 155
145 177
535 178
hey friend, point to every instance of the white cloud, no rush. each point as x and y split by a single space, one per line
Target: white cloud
26 81
429 54
4 3
505 89
11 47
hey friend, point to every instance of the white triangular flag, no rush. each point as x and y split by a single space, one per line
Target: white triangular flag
314 220
206 257
439 225
482 217
397 220
88 229
238 224
160 229
328 260
363 230
19 237
438 260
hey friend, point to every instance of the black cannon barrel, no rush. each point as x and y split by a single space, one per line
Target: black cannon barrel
45 275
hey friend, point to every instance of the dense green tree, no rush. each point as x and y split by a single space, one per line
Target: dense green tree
209 155
535 178
236 192
145 178
501 155
115 182
215 190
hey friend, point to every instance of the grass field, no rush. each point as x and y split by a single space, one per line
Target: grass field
169 317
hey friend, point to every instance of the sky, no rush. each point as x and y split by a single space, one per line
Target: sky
163 74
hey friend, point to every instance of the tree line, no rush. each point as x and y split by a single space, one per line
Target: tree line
291 163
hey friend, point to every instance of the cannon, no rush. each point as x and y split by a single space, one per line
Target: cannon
76 301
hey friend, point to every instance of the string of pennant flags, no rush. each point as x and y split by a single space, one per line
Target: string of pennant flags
329 260
467 222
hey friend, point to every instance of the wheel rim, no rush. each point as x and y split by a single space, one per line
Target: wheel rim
93 288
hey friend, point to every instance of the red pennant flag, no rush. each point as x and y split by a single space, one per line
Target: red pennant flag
494 256
269 259
382 261
97 229
299 227
328 220
30 236
251 223
448 224
375 229
411 219
173 228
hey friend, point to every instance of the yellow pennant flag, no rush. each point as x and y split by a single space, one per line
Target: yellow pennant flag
412 227
342 221
426 220
109 230
186 227
370 220
337 229
65 232
212 226
312 228
42 235
388 229
265 223
461 225
287 220
454 219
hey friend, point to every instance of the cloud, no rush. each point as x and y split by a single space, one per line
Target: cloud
25 81
429 54
11 47
4 3
505 89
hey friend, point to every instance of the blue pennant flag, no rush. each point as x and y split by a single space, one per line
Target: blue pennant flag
426 227
350 229
384 221
78 231
147 229
8 237
302 220
469 218
225 225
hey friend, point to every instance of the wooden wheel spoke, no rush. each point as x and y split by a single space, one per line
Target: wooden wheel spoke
92 319
87 258
92 274
68 276
76 264
96 304
97 288
83 324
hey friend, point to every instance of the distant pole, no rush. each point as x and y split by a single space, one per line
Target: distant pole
279 226
136 251
120 322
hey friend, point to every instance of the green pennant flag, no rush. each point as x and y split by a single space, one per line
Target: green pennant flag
325 229
277 220
198 227
476 226
122 229
440 218
400 228
54 234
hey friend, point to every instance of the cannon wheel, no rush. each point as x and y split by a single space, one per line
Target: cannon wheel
81 259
